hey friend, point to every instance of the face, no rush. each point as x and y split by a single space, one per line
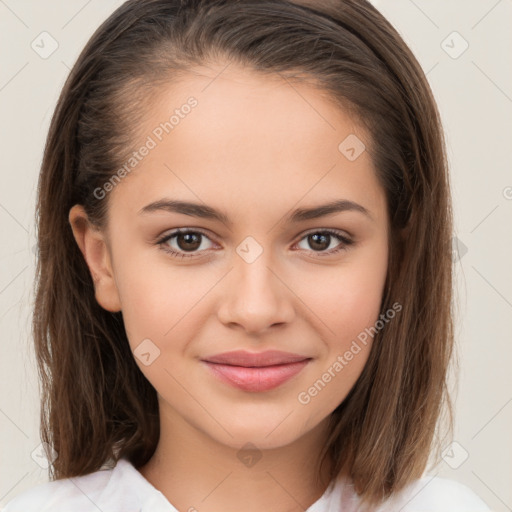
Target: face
257 266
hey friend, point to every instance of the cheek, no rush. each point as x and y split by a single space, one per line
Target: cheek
348 309
347 298
159 301
144 295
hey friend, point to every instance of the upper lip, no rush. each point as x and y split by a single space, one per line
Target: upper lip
255 359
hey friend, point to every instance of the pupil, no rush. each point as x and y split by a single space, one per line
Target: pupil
322 243
189 239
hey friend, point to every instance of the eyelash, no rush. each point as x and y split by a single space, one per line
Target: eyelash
345 242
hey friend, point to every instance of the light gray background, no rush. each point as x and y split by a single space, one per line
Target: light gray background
474 93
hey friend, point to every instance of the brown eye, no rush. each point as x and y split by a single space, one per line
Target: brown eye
181 242
188 241
320 241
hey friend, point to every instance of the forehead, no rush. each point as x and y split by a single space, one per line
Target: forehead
250 140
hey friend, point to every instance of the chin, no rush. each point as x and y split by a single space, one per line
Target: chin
265 435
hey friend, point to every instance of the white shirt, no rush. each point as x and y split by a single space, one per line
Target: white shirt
124 489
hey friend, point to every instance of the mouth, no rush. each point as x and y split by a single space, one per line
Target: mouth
256 372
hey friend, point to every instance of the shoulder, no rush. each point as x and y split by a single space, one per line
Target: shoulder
426 494
80 494
436 494
60 494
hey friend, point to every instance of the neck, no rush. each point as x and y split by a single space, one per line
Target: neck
194 472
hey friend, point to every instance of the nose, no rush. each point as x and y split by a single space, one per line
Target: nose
255 296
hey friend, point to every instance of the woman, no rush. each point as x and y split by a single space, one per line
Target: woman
294 356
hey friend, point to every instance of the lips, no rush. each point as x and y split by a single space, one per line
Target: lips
256 371
251 359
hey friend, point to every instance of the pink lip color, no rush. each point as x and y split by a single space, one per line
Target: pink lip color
256 372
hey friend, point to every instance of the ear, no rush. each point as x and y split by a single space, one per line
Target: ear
93 245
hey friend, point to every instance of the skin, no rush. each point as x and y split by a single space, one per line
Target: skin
255 147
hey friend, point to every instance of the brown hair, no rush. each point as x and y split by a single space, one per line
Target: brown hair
96 404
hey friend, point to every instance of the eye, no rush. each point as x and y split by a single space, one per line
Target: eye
186 243
321 239
183 241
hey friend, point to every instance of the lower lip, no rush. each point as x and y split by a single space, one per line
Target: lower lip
256 379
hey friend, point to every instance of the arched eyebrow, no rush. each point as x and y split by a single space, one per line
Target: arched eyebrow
341 205
207 212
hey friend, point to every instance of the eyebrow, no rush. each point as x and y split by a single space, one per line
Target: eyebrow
207 212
